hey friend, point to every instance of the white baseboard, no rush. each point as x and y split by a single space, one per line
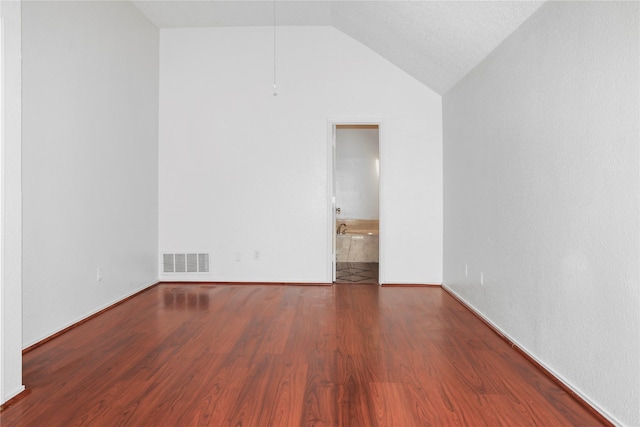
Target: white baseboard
13 394
523 349
92 313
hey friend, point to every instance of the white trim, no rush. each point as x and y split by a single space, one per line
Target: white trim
331 124
2 395
92 313
523 349
14 393
331 202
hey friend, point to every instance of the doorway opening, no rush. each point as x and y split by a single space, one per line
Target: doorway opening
356 195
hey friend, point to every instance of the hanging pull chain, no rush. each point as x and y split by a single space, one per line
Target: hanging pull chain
275 87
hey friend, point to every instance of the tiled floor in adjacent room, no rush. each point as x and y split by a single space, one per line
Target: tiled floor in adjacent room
357 272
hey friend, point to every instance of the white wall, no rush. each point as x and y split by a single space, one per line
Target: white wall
542 196
356 173
242 170
90 159
11 260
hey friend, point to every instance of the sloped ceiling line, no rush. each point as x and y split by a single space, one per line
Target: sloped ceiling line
436 42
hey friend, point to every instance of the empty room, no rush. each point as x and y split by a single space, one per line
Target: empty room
320 213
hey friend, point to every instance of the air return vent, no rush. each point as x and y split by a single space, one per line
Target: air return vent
185 263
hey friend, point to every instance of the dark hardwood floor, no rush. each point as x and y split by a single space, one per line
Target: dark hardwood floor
270 355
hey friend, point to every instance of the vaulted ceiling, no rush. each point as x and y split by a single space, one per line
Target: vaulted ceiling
437 42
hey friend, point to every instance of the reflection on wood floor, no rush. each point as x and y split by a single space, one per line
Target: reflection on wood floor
356 272
355 355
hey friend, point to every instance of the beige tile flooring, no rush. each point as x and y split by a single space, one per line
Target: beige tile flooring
357 272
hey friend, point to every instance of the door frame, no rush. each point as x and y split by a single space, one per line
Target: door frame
331 199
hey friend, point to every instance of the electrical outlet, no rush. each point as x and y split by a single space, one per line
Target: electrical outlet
466 270
256 255
238 257
99 274
481 279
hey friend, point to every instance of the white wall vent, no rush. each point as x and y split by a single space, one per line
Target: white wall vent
181 263
185 263
168 266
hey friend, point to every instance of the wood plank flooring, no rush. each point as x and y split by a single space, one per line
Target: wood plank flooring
271 355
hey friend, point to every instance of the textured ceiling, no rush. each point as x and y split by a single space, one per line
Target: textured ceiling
437 42
231 13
